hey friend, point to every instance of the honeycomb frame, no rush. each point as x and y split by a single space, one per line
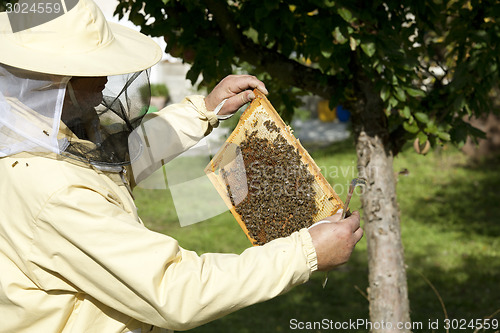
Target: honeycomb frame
259 112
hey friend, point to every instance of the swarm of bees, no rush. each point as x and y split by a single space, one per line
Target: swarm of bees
280 197
267 179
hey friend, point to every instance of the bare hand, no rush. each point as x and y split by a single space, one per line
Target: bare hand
334 241
237 89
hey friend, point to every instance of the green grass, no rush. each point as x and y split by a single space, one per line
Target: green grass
450 220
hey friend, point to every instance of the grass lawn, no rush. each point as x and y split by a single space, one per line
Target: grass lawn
450 220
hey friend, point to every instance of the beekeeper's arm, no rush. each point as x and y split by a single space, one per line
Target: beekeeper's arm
102 251
165 134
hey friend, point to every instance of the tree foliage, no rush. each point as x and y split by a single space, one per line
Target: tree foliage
430 62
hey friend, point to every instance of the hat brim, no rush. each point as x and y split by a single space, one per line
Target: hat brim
130 51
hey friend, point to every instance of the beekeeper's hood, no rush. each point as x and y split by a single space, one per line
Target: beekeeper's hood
76 85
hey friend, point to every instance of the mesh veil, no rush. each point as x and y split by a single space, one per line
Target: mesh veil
87 118
102 131
30 110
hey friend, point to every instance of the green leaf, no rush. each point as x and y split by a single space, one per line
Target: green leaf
467 108
337 35
287 46
193 74
415 92
326 54
412 128
385 92
394 79
422 117
388 111
431 127
400 94
252 34
444 136
353 43
345 14
422 137
326 46
137 19
368 49
406 112
393 102
459 103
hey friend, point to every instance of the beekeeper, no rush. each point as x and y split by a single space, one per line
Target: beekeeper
74 255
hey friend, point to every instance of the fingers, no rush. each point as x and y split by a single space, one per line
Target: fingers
237 89
237 101
358 234
336 217
353 221
334 241
245 82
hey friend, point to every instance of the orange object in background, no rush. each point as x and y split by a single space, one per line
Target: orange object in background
325 114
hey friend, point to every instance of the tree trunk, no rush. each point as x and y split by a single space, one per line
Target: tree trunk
388 292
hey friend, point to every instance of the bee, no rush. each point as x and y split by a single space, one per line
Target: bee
15 163
46 133
265 220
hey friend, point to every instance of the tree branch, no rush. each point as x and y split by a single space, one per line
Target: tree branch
276 64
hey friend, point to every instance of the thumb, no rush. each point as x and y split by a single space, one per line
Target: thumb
334 218
237 101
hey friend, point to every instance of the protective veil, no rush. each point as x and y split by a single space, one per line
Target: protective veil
30 111
90 119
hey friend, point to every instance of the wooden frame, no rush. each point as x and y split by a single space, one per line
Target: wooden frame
259 111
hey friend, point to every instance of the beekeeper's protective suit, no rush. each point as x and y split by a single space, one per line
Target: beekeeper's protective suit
74 255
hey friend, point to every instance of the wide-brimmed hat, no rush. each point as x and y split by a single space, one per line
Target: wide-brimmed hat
79 43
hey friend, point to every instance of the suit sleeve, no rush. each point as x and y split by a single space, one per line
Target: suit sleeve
86 243
165 134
